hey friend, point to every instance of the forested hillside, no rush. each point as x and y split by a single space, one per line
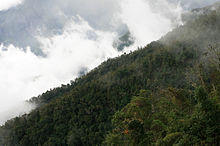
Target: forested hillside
167 93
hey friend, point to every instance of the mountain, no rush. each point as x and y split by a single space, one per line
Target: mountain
166 93
123 41
201 29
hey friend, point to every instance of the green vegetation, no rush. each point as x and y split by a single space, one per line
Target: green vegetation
167 93
169 118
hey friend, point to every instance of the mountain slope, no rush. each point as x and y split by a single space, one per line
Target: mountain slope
200 31
81 113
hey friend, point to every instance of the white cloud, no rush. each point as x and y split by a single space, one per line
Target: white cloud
24 75
6 4
147 20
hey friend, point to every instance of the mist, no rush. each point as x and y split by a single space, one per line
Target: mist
48 43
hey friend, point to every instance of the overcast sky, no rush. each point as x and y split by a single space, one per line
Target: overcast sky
74 36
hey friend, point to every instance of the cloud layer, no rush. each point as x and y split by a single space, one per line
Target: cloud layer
147 20
23 74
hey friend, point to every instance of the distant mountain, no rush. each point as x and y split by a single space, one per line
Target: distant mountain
167 93
123 41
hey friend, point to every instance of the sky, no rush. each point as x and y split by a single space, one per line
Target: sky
72 36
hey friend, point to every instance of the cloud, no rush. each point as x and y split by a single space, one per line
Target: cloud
20 26
147 20
71 40
24 75
48 17
6 4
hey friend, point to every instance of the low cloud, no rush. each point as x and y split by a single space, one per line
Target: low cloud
24 75
147 20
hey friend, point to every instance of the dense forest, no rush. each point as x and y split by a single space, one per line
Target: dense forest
166 93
